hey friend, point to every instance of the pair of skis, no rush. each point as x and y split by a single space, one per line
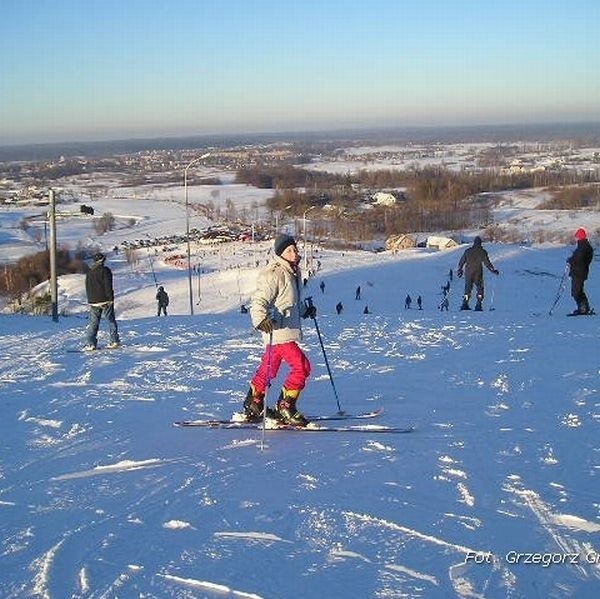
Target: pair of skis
237 422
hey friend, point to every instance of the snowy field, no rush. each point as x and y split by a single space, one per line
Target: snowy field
454 157
495 493
102 497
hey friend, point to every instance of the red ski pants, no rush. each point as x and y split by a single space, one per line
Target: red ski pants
293 356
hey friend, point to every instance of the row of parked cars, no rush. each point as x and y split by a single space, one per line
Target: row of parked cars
209 235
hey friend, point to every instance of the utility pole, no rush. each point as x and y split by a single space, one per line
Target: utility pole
52 252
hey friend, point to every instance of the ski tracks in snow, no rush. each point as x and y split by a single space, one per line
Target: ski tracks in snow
582 556
407 516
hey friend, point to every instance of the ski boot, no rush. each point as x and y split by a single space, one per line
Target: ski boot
254 404
286 408
583 307
478 306
465 304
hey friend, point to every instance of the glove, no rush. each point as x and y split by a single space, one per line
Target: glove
265 325
459 274
310 312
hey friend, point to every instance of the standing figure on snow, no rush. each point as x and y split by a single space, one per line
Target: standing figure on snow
276 310
339 307
322 286
579 267
472 262
101 299
357 294
407 302
420 303
162 297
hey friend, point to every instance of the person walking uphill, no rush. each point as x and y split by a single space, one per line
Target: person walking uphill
276 310
579 267
162 297
472 262
101 298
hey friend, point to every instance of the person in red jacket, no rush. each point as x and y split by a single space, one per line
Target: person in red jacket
579 268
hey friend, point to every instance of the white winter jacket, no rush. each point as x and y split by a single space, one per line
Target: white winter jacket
278 296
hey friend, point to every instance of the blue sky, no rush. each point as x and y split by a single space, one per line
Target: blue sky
115 69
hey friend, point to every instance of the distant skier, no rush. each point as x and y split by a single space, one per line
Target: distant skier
162 297
419 303
407 302
579 266
339 307
472 262
276 310
243 309
357 294
366 310
322 286
101 299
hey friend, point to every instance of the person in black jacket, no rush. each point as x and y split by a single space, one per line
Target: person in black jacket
101 298
162 297
471 262
579 267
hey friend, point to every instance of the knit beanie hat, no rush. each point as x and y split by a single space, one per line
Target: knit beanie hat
282 242
580 234
99 257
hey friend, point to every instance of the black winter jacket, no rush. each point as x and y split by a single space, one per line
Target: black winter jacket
162 298
473 260
580 260
98 284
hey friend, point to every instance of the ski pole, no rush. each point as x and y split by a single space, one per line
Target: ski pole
492 295
264 422
309 303
561 288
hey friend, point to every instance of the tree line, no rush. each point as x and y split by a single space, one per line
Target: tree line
19 278
435 198
571 198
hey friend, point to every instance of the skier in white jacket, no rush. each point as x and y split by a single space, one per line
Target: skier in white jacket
276 310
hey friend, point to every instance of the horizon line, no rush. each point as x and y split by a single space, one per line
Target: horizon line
311 132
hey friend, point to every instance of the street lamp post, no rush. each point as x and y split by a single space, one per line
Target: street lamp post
304 238
278 215
187 226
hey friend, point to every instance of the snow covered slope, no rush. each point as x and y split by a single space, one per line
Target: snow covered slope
100 496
